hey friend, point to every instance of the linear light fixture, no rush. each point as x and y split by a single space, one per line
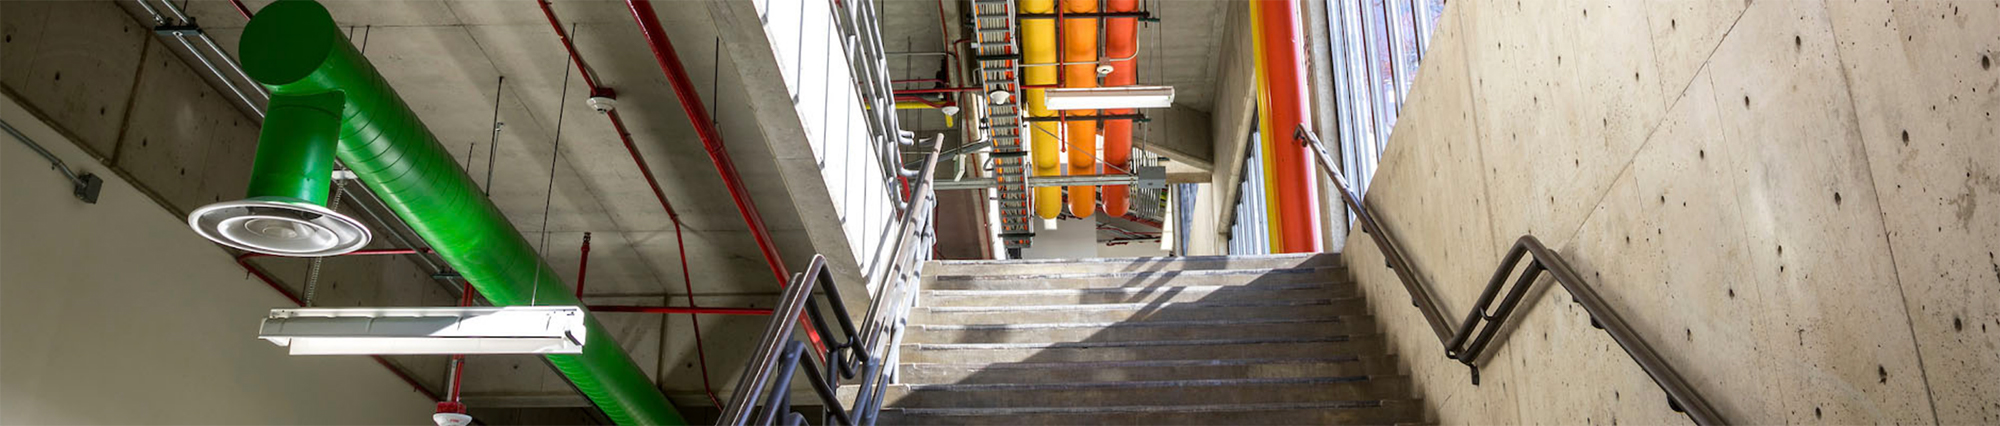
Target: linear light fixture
1121 97
427 331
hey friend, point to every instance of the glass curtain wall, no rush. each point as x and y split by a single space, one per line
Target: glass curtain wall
1376 47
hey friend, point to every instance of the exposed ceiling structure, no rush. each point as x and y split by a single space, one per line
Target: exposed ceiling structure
559 172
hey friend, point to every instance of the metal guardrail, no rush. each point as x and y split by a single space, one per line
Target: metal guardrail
1486 319
858 25
763 394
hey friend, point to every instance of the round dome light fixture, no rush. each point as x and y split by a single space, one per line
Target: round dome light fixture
279 226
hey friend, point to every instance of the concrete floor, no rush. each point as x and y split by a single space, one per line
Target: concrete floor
1788 199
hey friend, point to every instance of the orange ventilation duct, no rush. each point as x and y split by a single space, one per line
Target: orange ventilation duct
1080 56
1121 41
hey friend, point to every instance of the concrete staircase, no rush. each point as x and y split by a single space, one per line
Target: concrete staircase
1196 340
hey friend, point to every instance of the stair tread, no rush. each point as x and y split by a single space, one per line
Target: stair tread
1130 324
1145 408
1146 363
1129 306
1127 384
1131 344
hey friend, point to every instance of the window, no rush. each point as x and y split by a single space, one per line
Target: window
1376 47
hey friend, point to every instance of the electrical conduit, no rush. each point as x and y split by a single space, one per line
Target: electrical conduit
294 48
1121 40
1038 45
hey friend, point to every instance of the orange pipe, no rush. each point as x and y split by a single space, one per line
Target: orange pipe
1079 44
1121 40
1038 44
1284 78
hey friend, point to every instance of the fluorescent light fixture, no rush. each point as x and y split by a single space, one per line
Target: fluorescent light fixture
427 331
1121 97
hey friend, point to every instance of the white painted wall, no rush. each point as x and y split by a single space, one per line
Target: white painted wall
1077 239
115 313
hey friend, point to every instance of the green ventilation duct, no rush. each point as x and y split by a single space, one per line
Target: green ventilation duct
294 48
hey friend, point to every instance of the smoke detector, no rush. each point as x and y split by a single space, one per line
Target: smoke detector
451 419
279 226
1104 69
603 104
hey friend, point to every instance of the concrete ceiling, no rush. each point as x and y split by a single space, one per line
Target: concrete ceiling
446 57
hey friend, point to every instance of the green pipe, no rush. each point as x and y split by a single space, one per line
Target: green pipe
293 47
295 148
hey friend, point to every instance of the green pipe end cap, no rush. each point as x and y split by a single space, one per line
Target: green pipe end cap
287 41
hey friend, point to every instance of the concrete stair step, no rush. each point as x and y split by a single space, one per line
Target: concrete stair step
970 353
1136 279
1168 311
1192 293
1111 371
1138 330
1130 264
1161 392
1315 413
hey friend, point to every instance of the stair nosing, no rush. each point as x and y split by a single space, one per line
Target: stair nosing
1129 259
1136 274
1141 305
1121 290
1207 408
1130 344
1336 359
1137 384
1130 324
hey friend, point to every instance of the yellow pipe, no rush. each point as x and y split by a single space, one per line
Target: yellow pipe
1079 45
1038 37
1272 213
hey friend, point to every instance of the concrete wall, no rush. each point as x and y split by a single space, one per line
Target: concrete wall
1792 200
113 313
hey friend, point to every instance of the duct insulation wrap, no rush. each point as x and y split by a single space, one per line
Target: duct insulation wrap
1121 41
1079 48
294 48
1038 45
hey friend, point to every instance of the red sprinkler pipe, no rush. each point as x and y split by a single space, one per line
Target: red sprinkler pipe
241 9
684 90
582 265
625 136
1121 40
901 92
1284 77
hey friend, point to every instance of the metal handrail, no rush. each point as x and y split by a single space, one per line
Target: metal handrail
868 350
1461 345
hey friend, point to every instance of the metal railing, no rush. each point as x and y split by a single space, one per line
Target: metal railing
858 25
763 394
1485 319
